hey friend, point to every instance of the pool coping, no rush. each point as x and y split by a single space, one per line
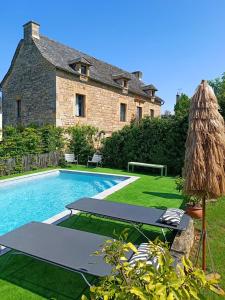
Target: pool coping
60 217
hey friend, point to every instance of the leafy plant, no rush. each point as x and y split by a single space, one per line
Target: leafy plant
52 138
20 142
191 200
81 141
62 162
31 140
160 141
148 282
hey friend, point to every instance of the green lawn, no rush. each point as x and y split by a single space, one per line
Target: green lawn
25 278
216 239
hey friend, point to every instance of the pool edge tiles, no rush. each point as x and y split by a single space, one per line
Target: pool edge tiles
58 218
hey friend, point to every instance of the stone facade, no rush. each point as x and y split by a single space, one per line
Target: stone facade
31 81
44 93
102 107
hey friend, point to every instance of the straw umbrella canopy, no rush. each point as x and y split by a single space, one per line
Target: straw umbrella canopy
205 151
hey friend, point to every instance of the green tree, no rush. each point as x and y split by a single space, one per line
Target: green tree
218 86
182 107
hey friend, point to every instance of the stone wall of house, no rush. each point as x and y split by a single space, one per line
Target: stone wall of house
48 96
102 105
31 80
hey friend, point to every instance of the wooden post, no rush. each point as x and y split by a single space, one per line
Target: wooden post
204 234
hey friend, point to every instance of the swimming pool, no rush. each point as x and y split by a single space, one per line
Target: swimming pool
41 196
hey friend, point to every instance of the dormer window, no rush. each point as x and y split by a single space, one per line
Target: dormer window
83 69
81 65
122 79
150 90
152 93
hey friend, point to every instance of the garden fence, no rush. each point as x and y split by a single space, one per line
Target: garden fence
29 162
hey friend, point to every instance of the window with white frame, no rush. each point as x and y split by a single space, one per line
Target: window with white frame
80 105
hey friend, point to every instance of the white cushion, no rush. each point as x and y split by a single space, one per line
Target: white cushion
144 254
172 216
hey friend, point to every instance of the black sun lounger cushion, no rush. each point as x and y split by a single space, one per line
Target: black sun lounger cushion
144 254
172 216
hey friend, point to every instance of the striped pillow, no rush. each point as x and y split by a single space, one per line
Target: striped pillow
144 254
172 216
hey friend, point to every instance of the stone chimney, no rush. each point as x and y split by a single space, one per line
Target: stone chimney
138 74
31 30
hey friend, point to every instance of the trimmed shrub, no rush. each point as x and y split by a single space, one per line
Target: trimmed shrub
20 141
159 141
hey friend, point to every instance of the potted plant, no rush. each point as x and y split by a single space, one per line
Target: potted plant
193 204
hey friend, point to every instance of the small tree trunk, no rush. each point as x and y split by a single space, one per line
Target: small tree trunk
204 234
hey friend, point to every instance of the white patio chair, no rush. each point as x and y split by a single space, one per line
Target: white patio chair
71 158
95 159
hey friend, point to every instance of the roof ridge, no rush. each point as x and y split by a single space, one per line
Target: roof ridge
82 53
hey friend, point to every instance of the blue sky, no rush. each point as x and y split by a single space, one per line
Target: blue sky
175 43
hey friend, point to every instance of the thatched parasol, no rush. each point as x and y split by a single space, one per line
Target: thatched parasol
205 152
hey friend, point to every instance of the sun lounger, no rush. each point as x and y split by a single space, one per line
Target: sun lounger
125 212
67 248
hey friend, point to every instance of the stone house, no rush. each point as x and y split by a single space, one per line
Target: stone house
50 83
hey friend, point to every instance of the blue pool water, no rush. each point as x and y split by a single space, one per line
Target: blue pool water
38 198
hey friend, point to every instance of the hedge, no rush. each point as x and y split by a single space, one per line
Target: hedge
18 142
158 141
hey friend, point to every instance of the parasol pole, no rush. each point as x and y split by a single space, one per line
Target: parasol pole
204 234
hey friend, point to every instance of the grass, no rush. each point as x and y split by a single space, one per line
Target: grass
23 278
216 239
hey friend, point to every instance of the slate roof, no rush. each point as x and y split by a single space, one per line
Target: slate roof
60 56
149 87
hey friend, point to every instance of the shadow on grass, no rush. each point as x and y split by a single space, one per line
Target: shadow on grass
48 281
169 196
40 279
